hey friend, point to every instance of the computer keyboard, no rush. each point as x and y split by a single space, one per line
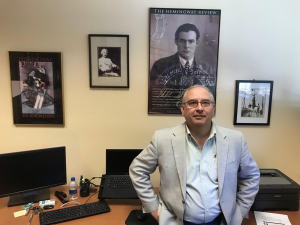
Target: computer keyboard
74 212
119 182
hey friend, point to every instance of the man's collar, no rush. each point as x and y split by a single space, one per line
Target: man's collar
183 61
187 130
212 130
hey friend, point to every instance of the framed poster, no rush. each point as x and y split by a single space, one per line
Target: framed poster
253 100
36 83
109 61
183 51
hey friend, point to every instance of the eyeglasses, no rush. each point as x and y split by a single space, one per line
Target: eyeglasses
194 103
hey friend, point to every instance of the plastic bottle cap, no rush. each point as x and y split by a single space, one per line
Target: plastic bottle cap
72 178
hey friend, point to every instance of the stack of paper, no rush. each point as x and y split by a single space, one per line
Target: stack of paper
263 218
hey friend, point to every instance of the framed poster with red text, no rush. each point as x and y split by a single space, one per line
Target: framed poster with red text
36 82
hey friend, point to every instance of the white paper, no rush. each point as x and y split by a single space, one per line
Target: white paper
263 218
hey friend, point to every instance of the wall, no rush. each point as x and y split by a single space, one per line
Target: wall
258 40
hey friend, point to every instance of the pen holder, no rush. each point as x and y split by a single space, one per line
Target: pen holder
85 188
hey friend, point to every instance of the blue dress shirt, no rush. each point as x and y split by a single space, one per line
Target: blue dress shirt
202 191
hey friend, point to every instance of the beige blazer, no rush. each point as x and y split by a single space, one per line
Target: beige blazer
238 175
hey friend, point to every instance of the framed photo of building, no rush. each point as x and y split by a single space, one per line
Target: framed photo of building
253 100
183 47
36 83
109 61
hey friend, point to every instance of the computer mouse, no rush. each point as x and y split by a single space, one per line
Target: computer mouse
48 207
140 215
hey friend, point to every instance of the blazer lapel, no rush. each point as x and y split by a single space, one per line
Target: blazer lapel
222 152
178 144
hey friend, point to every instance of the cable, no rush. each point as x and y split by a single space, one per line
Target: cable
93 183
95 186
91 196
94 178
70 202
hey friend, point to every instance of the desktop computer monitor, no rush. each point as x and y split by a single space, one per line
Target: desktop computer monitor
26 176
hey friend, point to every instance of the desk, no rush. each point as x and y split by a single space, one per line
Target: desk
120 210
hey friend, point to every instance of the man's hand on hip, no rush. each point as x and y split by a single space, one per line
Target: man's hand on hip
154 214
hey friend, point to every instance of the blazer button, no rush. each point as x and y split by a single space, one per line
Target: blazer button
183 202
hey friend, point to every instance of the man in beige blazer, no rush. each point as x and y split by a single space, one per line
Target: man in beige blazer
207 175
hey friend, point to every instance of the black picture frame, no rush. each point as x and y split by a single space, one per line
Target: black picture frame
36 82
109 60
253 101
169 76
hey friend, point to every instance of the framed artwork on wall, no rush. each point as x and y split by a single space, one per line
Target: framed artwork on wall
253 100
109 61
36 83
183 47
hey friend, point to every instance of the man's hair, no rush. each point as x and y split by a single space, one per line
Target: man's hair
103 51
186 28
195 86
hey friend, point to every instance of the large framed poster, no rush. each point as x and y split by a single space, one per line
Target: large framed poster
183 50
36 83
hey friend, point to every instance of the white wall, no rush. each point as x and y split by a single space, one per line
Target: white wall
259 39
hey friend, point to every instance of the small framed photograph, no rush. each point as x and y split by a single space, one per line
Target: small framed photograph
109 61
253 100
36 83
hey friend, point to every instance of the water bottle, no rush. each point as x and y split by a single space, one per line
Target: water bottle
73 189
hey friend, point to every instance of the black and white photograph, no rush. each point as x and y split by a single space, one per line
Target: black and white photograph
109 60
253 102
183 50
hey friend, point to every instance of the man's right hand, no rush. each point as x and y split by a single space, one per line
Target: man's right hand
154 214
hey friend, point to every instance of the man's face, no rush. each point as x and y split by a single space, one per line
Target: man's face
199 116
104 53
186 44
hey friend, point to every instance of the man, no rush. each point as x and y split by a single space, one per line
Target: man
207 175
106 66
183 68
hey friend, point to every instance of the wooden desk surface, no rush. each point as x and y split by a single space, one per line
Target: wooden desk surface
120 210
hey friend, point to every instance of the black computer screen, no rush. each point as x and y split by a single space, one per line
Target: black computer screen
119 160
32 170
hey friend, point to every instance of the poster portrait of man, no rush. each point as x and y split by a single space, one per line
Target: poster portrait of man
183 52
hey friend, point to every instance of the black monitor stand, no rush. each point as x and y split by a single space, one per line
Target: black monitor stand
27 197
